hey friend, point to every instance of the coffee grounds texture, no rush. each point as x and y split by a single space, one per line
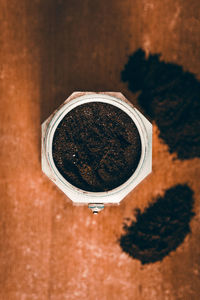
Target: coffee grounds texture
96 147
161 228
169 96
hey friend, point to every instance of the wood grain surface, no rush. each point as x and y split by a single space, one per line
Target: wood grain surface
50 249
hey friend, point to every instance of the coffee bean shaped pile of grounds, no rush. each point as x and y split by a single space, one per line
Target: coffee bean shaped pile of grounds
96 147
161 228
171 97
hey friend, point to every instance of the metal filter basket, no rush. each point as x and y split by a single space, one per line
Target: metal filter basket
96 200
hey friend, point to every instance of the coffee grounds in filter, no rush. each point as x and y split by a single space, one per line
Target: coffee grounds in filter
96 147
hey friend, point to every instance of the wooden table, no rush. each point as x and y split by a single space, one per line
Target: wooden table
50 249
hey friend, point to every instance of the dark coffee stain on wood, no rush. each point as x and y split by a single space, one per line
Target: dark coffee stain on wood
161 228
171 97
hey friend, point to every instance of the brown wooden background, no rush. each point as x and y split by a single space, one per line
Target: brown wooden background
50 249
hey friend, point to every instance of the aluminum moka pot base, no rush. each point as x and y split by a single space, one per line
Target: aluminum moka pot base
97 200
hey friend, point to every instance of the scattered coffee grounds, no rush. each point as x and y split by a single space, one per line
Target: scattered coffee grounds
161 228
171 97
96 147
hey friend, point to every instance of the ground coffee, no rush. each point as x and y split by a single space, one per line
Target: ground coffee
96 147
169 96
161 228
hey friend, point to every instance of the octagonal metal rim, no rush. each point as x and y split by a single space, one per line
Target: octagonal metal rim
117 194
